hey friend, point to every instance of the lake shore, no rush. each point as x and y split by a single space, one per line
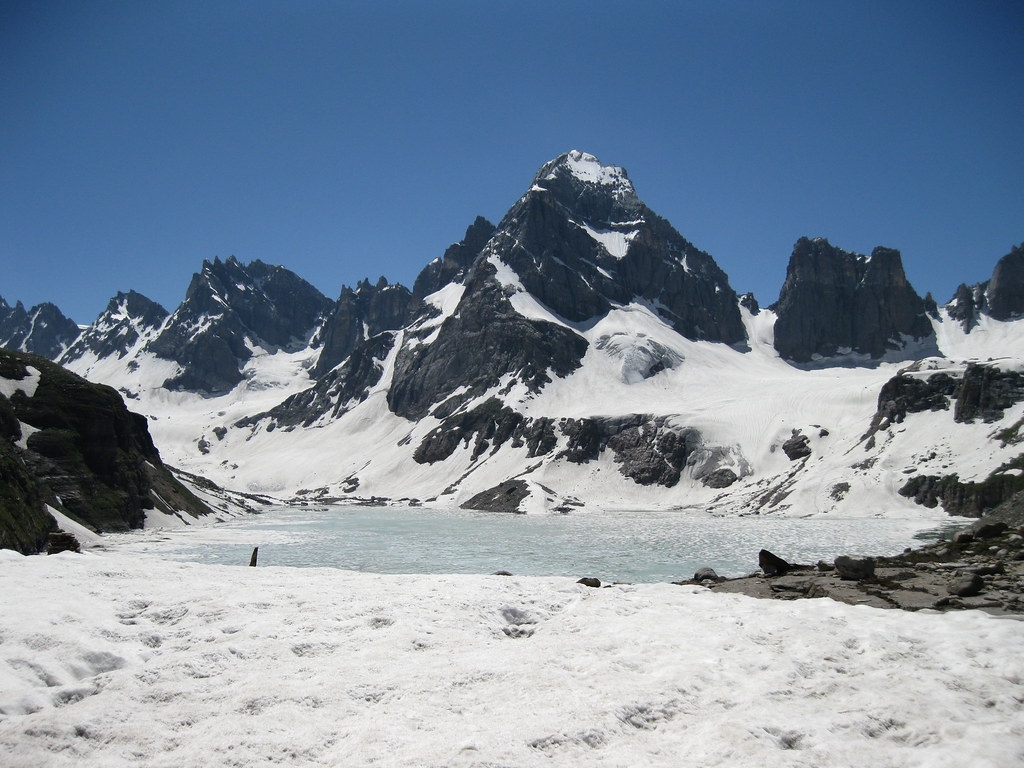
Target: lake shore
981 567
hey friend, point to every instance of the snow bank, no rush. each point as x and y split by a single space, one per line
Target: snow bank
112 660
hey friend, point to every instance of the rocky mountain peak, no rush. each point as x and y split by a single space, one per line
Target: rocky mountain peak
576 246
42 330
835 302
359 315
601 195
229 307
127 318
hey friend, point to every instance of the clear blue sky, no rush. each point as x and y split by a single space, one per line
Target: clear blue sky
348 140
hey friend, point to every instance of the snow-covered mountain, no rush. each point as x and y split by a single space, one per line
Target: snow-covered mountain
41 330
582 352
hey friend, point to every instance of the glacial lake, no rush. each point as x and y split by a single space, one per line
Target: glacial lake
613 546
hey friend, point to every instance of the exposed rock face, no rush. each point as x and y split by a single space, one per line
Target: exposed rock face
834 301
964 498
855 568
505 497
966 304
228 307
982 392
484 340
127 318
1005 290
797 447
359 315
74 445
42 330
985 392
454 265
335 392
25 524
909 394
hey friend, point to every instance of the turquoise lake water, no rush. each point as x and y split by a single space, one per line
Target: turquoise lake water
612 546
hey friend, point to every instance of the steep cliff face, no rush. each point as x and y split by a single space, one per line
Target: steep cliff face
76 446
359 315
1005 290
454 265
834 302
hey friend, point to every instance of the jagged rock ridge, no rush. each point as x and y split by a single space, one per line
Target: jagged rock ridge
229 308
128 318
41 330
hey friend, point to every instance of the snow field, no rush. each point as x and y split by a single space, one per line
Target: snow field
117 660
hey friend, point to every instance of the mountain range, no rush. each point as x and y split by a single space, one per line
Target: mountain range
579 352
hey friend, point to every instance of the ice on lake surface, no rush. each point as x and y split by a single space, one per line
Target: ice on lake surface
613 546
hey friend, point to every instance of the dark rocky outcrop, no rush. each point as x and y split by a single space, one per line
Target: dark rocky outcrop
83 453
720 478
985 392
966 305
646 449
475 347
504 497
834 301
61 541
25 524
228 307
981 392
1005 290
904 394
42 330
854 568
797 447
489 424
359 315
966 498
771 564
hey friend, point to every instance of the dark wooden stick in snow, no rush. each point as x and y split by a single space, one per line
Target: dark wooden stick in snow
252 560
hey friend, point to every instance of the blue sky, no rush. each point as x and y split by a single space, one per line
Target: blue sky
348 140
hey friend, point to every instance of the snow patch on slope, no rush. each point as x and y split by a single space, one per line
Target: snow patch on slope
616 243
27 386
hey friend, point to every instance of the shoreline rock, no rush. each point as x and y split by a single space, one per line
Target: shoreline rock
981 567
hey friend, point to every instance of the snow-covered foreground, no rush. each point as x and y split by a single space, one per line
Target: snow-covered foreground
112 660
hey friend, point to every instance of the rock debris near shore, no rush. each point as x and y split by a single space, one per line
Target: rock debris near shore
981 567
